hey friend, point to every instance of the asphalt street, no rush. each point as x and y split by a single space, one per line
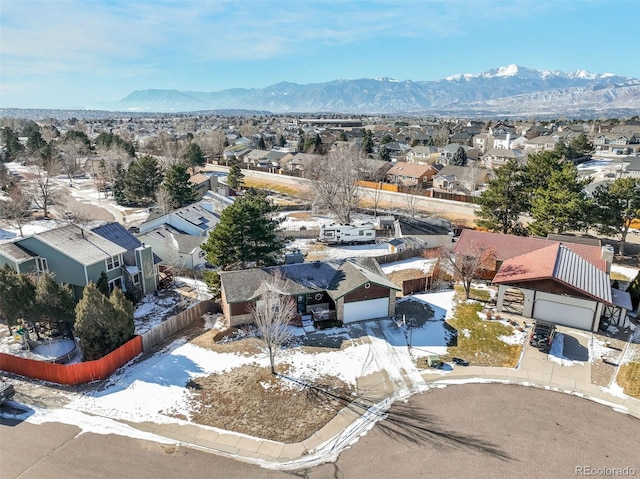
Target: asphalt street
472 430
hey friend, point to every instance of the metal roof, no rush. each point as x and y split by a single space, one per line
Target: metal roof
559 263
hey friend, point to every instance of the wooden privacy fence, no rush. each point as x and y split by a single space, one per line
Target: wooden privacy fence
86 372
72 374
176 323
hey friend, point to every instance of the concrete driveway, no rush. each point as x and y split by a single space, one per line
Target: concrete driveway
572 369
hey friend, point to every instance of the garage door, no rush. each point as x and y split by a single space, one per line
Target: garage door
370 309
563 314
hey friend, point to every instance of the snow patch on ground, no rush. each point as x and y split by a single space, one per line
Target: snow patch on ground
425 265
517 337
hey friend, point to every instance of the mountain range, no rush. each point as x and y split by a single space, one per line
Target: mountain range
510 91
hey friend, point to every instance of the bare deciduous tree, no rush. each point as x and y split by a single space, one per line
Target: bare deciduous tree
17 208
411 199
72 151
375 195
467 267
44 191
335 180
272 314
212 143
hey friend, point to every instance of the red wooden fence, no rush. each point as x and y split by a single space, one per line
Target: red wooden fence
72 374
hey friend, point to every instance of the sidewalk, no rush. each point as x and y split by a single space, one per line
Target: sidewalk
355 419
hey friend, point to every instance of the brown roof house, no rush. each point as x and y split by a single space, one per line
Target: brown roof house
562 282
347 290
410 174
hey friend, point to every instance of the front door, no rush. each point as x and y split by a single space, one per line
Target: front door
302 303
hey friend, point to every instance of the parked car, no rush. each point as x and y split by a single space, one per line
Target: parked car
542 336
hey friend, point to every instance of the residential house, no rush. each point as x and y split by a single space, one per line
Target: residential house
508 141
564 282
483 142
176 248
621 143
177 236
410 174
502 129
235 153
77 256
631 168
497 157
539 144
257 158
464 179
193 219
202 183
140 263
446 153
346 290
462 138
422 155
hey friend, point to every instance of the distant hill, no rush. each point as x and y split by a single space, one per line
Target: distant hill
506 91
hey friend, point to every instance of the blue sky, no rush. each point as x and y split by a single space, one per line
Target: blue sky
72 53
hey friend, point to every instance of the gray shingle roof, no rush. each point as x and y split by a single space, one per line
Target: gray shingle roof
336 277
119 235
15 252
82 245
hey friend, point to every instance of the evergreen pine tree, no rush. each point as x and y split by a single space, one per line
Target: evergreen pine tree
235 177
459 157
103 284
505 199
143 178
194 156
178 186
118 185
54 303
17 295
93 315
562 205
122 325
246 234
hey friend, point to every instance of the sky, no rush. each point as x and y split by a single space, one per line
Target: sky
74 53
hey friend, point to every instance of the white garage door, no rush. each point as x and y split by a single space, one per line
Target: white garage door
563 314
370 309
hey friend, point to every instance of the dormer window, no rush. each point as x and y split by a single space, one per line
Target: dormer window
113 263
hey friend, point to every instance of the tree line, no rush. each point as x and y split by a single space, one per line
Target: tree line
102 320
547 195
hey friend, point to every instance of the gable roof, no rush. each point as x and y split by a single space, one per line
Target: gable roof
336 277
510 246
181 242
557 262
412 170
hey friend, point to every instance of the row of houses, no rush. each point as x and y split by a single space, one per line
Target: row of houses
562 280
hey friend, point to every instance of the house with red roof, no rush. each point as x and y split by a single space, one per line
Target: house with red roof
561 281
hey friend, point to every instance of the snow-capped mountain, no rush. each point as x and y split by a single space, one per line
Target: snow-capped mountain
511 90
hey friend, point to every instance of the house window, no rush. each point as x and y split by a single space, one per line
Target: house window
113 263
115 283
136 279
42 265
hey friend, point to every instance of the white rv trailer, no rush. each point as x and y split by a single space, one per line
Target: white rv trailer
336 233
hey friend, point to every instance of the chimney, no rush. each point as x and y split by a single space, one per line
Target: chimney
607 255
